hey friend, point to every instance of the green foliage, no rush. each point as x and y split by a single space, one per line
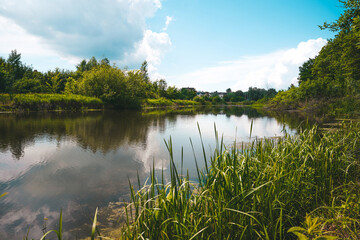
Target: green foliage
159 102
286 99
200 100
305 71
185 102
216 99
257 192
112 86
254 94
312 230
162 102
35 102
144 71
26 85
173 93
93 78
345 22
188 93
115 87
92 63
160 87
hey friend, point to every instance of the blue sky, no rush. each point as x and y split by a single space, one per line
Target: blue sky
210 45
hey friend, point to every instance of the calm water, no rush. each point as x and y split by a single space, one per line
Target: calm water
79 161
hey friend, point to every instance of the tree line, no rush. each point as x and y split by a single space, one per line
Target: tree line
116 87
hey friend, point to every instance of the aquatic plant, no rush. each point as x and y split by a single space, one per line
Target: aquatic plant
259 192
265 190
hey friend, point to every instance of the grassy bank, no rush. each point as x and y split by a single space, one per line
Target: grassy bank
347 106
43 102
163 102
46 101
258 193
304 186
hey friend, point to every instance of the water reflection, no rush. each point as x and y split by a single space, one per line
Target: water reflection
78 161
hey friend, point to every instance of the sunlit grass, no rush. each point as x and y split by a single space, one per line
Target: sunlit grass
41 101
255 193
163 102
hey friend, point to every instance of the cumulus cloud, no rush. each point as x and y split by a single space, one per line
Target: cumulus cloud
115 29
33 49
277 70
151 48
167 22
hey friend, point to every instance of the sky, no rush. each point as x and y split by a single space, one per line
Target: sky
210 45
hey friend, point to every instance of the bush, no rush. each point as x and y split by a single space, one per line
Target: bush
113 86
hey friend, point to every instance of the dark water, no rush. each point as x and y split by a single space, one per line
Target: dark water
79 161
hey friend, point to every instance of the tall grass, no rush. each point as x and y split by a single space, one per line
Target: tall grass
35 102
163 102
264 191
259 192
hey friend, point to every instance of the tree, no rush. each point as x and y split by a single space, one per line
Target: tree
3 74
345 22
159 87
26 85
14 58
105 62
305 70
15 69
255 93
92 63
172 93
188 93
271 92
144 71
81 67
216 99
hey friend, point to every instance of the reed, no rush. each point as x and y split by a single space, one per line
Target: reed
304 186
259 192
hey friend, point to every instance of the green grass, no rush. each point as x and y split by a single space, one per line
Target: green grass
304 186
38 102
158 102
185 102
163 102
257 193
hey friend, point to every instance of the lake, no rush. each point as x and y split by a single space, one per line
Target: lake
79 161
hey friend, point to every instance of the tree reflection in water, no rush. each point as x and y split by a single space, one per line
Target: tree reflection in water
79 161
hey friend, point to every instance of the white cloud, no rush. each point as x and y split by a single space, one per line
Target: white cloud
167 22
33 49
151 48
73 30
278 70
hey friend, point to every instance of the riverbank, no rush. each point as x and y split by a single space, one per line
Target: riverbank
163 102
333 107
47 102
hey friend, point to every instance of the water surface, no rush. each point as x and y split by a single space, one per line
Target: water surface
79 161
